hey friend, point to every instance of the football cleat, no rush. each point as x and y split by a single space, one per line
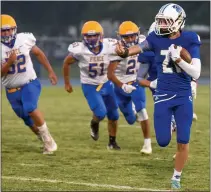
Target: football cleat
94 131
194 117
49 146
175 184
113 146
173 126
146 149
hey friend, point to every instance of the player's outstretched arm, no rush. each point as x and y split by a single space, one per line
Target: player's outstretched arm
44 61
6 65
141 77
111 73
66 72
125 52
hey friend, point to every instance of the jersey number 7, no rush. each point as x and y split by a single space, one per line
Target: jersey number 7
168 65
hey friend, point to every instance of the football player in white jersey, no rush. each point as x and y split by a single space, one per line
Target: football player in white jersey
20 80
123 73
92 57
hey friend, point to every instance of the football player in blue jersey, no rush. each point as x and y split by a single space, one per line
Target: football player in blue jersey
173 93
148 68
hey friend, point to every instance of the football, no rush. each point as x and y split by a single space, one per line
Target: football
185 55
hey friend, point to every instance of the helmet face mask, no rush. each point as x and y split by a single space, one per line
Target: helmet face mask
129 33
92 34
7 35
92 40
130 40
170 19
8 29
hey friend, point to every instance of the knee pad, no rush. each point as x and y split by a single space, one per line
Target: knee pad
142 115
163 143
113 115
100 114
29 107
183 141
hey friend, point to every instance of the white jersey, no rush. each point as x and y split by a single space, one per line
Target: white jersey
22 70
127 69
93 67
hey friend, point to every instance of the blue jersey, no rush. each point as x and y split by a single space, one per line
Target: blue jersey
170 76
148 57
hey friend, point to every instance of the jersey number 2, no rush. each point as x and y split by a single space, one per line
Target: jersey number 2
168 65
19 67
131 67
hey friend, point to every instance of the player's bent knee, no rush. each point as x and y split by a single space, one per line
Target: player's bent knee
100 116
100 112
142 115
163 143
130 119
113 115
28 121
183 141
29 108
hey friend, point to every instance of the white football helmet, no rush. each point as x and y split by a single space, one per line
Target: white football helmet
152 28
170 18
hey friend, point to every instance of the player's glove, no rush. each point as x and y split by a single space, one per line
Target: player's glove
193 88
121 50
175 52
128 88
153 84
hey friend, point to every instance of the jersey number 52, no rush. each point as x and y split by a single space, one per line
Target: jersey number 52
19 67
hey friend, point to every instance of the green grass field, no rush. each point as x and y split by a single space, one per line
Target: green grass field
83 164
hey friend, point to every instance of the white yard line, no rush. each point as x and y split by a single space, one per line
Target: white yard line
31 165
80 183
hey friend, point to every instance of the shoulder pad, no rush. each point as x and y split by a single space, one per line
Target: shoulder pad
109 41
75 47
28 38
141 38
193 37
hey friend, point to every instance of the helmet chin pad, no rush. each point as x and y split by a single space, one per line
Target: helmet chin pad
92 40
130 43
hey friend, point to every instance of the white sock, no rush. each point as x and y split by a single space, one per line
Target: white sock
43 129
176 175
147 142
